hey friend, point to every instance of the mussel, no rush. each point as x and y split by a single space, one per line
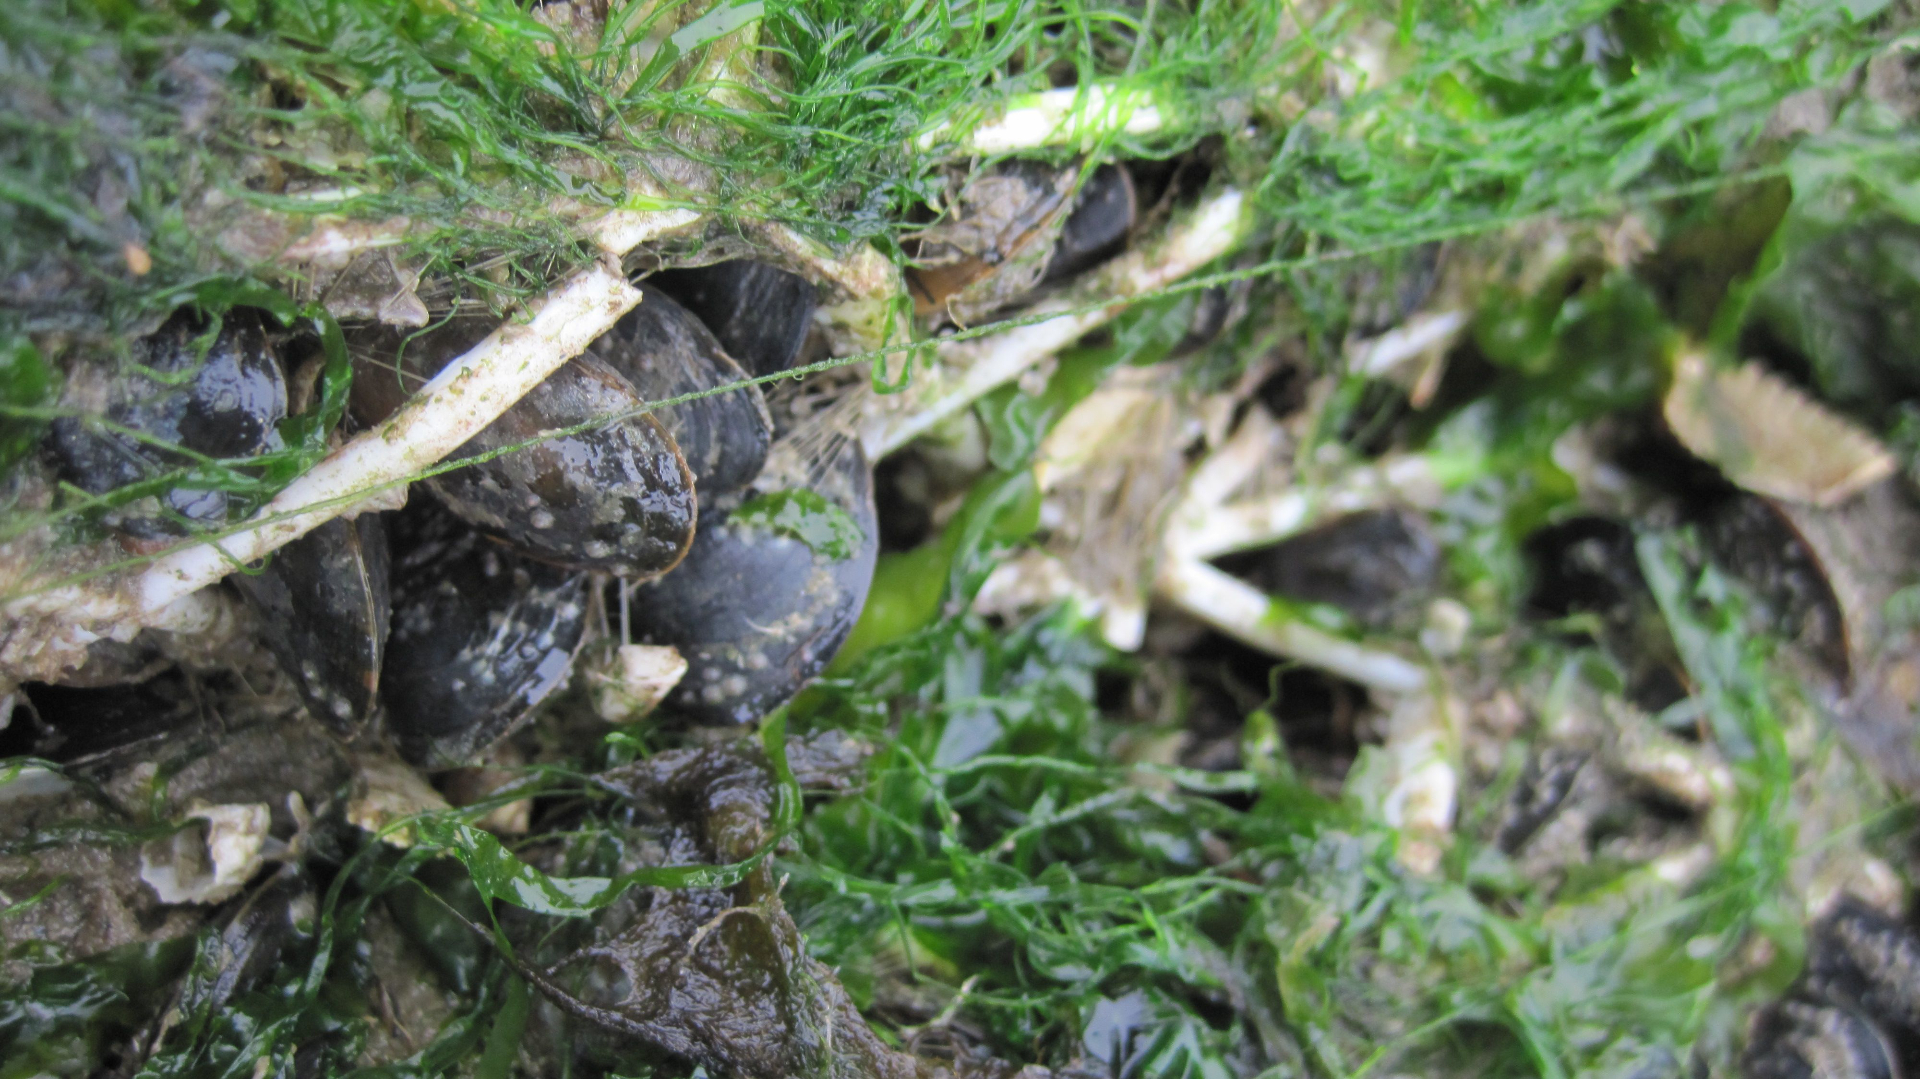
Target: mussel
1014 228
479 637
616 498
324 606
664 351
192 388
1097 228
1854 1013
771 588
759 313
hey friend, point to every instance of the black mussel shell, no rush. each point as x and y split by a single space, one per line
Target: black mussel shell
664 351
480 636
759 313
323 605
1851 1013
617 498
756 612
222 402
1097 228
276 917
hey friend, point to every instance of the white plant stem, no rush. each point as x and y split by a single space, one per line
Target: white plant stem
968 370
1244 612
1072 116
1206 531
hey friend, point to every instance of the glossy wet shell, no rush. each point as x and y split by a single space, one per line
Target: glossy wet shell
224 404
616 499
324 608
664 351
480 636
759 313
756 613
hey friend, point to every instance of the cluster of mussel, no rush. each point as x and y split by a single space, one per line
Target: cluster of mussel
452 618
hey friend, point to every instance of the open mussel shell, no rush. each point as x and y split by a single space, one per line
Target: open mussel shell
220 398
756 611
759 313
616 498
664 351
480 637
323 604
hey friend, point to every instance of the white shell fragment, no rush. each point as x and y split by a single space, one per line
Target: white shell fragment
387 791
211 861
1767 436
633 681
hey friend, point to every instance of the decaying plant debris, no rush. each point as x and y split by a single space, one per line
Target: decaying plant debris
631 538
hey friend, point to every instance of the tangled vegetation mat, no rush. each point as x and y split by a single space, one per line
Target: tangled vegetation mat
992 539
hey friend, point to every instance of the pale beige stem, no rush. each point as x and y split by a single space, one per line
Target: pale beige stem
1072 116
1203 531
1245 613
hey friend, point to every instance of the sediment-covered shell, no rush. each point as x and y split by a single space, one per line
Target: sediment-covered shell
179 390
993 247
756 609
1014 228
617 498
664 351
759 313
480 637
324 606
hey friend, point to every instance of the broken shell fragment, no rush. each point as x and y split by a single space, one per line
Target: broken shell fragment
212 858
631 682
480 637
760 606
324 609
616 498
664 352
759 313
1767 436
182 396
386 792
